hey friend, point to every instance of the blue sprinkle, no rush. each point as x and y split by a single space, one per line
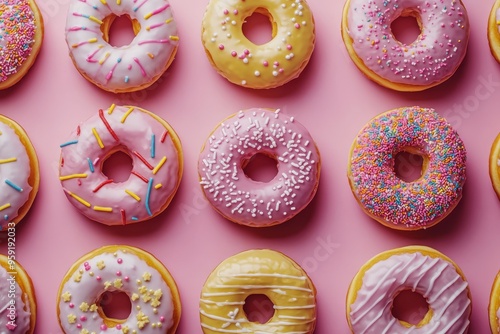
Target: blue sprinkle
6 217
13 185
148 194
134 218
153 146
118 60
126 78
91 165
71 142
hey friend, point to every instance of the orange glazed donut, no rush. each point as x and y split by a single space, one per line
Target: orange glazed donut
16 285
258 66
494 306
155 300
494 30
157 163
258 272
417 268
21 36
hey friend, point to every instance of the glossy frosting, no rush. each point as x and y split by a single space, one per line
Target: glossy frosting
21 324
127 67
14 173
259 66
432 57
437 280
17 34
152 307
371 168
258 272
234 142
498 19
156 166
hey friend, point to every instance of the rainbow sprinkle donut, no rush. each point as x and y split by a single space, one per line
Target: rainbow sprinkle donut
157 161
130 67
392 201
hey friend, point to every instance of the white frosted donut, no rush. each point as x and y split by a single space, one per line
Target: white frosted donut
231 146
157 161
419 269
126 68
153 293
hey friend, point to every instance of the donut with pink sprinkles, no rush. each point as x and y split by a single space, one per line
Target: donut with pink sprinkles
382 194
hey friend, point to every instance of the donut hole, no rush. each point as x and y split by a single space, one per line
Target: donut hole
409 166
259 28
115 305
260 167
406 28
410 307
258 308
117 166
119 30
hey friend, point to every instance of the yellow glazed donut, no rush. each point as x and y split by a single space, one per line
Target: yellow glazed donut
19 173
258 272
417 268
494 30
154 298
21 36
258 66
16 285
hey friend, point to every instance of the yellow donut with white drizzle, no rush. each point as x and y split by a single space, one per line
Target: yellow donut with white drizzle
258 272
268 65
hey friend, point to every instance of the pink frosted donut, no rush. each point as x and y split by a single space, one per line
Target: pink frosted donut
431 59
392 201
231 146
157 161
129 67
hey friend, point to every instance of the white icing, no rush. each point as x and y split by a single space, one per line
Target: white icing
14 173
127 271
126 67
22 310
434 278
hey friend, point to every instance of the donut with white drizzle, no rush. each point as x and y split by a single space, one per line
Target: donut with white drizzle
153 293
231 146
126 68
157 163
253 272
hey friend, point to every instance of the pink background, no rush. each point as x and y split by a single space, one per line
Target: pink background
332 238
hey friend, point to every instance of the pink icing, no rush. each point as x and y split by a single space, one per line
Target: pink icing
13 319
375 183
437 280
156 166
434 56
235 141
14 173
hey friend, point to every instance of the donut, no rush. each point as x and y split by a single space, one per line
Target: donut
230 147
417 268
126 68
387 198
17 298
494 305
494 162
21 37
428 61
154 297
494 30
246 64
157 163
19 173
258 272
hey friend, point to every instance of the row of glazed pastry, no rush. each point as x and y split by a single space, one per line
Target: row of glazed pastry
157 159
156 307
366 30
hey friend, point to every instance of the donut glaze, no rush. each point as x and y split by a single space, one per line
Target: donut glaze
271 64
431 59
126 68
157 162
15 285
416 268
253 272
232 144
152 291
392 201
21 36
494 30
19 178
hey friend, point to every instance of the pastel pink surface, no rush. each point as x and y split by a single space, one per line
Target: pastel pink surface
331 239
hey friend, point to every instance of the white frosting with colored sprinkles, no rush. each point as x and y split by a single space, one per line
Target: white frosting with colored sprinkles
21 323
432 57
